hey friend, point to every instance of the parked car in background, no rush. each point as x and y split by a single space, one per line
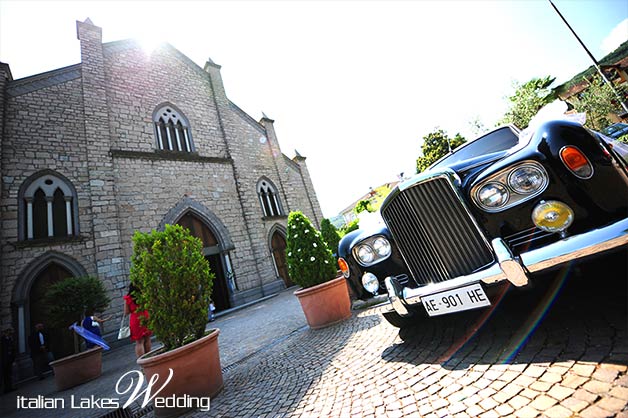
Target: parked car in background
616 130
500 208
366 257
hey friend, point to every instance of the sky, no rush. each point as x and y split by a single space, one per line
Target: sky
354 86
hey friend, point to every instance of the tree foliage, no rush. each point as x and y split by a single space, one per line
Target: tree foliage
597 101
437 144
528 99
309 260
351 226
70 298
330 235
363 205
175 284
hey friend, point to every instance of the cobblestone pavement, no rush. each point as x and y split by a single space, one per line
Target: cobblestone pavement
573 364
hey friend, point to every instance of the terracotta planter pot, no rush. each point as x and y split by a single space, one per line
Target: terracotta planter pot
196 372
78 368
325 304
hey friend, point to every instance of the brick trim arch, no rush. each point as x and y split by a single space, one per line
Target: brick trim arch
188 204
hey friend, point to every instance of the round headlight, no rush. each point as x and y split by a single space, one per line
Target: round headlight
527 179
381 247
365 254
370 283
552 216
493 195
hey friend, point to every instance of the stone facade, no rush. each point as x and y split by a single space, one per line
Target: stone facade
91 126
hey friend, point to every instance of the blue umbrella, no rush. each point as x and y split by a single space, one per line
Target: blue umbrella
89 336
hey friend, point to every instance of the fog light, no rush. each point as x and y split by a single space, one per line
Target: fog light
552 216
370 283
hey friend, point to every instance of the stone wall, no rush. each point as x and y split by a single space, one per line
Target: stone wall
92 124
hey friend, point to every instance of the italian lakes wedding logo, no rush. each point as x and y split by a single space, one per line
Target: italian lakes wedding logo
126 385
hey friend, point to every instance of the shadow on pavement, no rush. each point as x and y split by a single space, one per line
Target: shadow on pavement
578 313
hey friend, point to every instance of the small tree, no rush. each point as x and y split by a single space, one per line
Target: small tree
528 99
69 299
330 235
598 101
436 145
363 205
309 260
175 284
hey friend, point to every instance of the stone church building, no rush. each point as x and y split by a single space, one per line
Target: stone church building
131 141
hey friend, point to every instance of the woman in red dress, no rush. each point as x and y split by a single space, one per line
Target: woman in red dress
140 334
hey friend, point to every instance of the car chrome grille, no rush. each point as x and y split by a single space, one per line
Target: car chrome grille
435 233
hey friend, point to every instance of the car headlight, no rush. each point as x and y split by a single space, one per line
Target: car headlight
493 195
372 250
526 179
510 186
382 247
365 254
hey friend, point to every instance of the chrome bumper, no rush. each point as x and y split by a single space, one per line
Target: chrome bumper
517 269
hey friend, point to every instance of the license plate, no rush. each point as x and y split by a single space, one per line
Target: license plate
461 299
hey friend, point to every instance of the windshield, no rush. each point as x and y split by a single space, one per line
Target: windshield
499 140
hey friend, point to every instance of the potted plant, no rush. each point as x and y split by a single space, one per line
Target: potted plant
324 296
67 301
175 285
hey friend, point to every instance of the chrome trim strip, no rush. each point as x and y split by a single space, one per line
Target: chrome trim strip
563 251
577 246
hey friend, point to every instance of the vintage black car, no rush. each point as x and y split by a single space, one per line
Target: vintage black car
501 208
366 257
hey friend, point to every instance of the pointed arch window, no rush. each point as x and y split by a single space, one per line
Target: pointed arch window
172 130
269 198
48 206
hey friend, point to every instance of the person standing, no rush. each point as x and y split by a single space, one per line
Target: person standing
92 324
40 350
7 347
139 333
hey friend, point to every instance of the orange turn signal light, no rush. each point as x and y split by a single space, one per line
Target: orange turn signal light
576 162
344 267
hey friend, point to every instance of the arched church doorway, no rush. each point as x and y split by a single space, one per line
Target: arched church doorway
278 247
213 254
61 339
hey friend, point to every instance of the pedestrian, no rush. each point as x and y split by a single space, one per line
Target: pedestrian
139 333
92 323
212 309
7 347
40 350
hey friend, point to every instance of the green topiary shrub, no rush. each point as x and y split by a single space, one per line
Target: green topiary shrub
68 299
623 139
309 260
175 284
330 235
